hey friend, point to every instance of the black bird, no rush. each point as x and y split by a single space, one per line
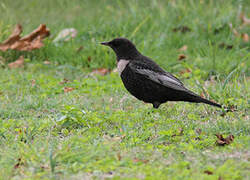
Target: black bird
146 80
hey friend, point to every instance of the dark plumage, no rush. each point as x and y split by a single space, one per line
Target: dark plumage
147 81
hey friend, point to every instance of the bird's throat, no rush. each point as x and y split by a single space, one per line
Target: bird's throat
121 65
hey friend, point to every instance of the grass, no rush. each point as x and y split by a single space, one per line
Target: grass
100 131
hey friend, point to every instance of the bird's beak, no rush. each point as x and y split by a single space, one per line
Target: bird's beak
105 43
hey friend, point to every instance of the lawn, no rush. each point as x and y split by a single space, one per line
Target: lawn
60 120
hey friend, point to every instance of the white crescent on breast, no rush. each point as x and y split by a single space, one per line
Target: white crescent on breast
122 63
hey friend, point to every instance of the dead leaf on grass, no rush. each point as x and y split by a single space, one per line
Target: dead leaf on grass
101 71
19 63
64 81
145 161
181 57
183 48
68 89
28 42
187 70
221 141
208 172
89 58
244 19
79 49
245 37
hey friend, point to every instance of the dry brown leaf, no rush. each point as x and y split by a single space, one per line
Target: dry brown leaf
245 37
15 36
68 89
101 71
89 58
187 70
79 49
183 48
244 19
208 172
145 161
64 81
19 63
181 57
28 42
221 141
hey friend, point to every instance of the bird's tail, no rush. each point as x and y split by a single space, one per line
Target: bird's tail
209 102
198 99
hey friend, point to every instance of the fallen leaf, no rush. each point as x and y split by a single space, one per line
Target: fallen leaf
79 49
28 42
15 36
64 81
245 37
187 70
46 62
182 29
145 161
244 19
19 63
68 89
208 172
221 141
181 57
101 71
183 48
66 35
89 58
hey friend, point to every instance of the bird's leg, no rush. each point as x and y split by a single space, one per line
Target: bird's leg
156 104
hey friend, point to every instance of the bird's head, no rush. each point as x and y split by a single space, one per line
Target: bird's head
124 48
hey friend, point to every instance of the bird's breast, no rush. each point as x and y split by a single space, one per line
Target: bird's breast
121 65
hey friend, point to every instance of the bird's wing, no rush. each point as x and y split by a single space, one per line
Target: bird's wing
156 74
